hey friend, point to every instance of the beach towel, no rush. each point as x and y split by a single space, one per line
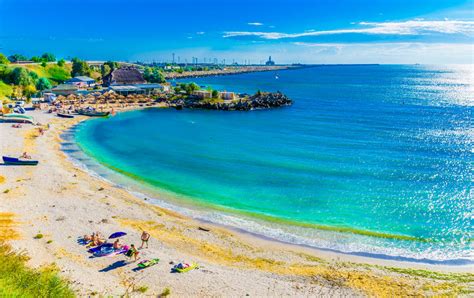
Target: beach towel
148 263
182 268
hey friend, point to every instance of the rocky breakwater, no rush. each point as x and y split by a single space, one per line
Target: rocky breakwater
261 100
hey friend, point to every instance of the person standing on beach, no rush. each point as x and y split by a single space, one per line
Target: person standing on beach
145 237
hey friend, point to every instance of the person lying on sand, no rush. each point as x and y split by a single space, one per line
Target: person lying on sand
89 237
96 240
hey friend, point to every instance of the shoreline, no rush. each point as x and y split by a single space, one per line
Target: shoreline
41 196
230 71
173 201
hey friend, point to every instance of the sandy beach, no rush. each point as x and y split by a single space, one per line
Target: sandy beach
63 202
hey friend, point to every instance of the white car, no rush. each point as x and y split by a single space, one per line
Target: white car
20 103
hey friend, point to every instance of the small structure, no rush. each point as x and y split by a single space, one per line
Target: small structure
126 89
125 75
146 89
81 81
64 89
270 62
150 88
202 94
227 95
49 97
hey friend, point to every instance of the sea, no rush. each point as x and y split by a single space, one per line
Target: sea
370 160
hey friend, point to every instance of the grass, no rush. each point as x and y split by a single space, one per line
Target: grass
53 72
17 280
5 90
166 292
142 289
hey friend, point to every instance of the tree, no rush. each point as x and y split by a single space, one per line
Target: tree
113 65
3 59
191 87
29 90
20 76
48 57
215 94
61 62
43 84
36 59
44 64
80 68
153 75
105 69
17 57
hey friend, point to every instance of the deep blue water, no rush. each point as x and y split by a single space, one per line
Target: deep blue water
382 150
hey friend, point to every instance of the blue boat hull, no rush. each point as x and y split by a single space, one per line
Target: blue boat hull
15 161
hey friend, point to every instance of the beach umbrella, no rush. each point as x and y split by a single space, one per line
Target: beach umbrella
117 235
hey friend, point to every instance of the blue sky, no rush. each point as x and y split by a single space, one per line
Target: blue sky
305 31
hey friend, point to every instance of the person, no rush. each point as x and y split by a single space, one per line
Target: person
96 241
89 237
145 237
25 156
117 245
132 252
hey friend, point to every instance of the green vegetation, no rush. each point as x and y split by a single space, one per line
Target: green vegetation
5 89
166 292
38 236
17 280
57 73
43 84
48 57
80 68
61 62
3 59
453 277
188 88
142 289
153 75
17 57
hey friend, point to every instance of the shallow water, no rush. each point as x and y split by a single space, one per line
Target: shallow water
369 159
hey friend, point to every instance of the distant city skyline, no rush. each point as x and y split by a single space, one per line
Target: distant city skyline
247 32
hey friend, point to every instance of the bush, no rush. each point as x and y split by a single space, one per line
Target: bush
43 84
142 289
61 62
38 236
166 292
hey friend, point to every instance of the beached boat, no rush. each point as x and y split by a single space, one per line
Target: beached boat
93 113
17 118
19 161
63 115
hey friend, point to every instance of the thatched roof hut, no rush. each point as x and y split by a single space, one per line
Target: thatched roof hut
125 75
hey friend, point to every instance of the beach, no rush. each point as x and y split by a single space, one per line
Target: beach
62 203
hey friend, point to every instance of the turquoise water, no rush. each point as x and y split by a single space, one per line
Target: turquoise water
369 159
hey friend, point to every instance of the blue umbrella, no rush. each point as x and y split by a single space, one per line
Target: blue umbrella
117 234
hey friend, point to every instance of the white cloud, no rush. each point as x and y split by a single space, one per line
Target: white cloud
414 27
255 24
200 32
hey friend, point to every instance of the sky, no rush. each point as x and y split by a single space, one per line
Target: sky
291 31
